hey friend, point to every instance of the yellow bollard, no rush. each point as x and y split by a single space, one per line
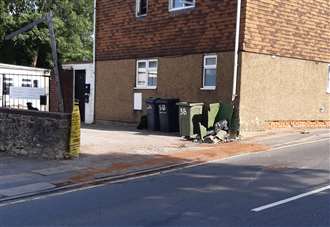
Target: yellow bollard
74 144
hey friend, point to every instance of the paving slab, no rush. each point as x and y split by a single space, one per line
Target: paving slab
15 178
26 189
57 170
5 159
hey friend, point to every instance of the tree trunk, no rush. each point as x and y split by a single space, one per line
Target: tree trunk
35 59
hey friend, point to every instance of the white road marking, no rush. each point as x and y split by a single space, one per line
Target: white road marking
258 209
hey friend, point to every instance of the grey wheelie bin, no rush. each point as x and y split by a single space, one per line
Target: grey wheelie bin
152 114
168 115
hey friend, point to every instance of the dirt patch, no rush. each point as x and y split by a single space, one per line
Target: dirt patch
215 152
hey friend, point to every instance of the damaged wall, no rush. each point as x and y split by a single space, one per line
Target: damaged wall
34 134
282 89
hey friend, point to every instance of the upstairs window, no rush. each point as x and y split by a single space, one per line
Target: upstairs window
210 72
146 74
141 7
181 4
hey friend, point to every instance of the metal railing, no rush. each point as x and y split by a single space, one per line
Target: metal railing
17 90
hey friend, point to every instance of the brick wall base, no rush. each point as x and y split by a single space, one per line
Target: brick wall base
297 124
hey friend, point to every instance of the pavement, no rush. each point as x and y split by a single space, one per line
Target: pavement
112 153
286 186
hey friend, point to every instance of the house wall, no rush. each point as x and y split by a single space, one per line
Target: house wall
288 28
290 86
178 77
209 27
282 89
284 64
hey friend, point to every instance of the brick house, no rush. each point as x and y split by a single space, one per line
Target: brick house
189 49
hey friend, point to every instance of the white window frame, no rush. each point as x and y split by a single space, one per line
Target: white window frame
205 67
328 81
171 8
146 61
137 8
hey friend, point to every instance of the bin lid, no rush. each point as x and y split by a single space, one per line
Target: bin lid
167 100
151 100
190 104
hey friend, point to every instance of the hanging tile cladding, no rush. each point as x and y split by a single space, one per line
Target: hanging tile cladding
209 27
291 28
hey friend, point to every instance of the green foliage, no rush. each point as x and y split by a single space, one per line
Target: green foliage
73 22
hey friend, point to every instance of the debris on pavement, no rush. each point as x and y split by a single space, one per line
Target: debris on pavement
221 125
304 132
217 136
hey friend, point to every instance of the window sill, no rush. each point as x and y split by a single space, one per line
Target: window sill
140 16
145 88
181 8
208 88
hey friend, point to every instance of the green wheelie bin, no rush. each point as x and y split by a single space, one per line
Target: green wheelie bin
190 115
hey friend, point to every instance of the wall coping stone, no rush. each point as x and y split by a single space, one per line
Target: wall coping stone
55 115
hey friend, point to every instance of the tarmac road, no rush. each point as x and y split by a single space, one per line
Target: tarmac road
289 186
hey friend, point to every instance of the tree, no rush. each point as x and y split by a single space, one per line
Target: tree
73 22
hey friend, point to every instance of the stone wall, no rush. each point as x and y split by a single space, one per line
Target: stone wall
34 134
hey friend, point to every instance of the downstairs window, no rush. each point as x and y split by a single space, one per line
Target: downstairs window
146 73
210 72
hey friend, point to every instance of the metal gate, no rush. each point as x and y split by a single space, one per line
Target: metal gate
21 85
